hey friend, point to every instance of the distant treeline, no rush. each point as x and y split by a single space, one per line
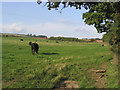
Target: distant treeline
10 35
73 39
41 36
55 38
65 39
22 35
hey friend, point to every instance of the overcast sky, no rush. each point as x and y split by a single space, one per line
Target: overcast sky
31 18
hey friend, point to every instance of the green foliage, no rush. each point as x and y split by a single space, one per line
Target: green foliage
113 35
34 35
112 78
42 36
107 37
64 39
29 34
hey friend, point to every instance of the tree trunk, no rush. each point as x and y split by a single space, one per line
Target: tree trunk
119 67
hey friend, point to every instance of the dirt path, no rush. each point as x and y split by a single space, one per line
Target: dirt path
99 77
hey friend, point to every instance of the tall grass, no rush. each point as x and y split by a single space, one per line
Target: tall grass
55 62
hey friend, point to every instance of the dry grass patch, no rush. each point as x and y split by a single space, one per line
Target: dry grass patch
67 84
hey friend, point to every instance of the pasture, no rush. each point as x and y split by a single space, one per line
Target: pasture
56 63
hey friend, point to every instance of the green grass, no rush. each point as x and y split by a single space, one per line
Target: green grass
54 63
112 72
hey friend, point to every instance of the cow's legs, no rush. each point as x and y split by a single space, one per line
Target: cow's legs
37 51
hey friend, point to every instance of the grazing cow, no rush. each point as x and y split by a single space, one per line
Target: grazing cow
34 47
21 39
57 42
102 45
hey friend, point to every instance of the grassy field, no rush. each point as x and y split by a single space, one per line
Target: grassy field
55 63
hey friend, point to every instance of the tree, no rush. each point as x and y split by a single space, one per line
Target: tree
34 35
105 16
42 36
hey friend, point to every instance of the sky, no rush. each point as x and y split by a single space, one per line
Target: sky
31 18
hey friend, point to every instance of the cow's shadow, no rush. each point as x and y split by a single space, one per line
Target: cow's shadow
50 53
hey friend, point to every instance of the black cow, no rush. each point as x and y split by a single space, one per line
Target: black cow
21 39
57 42
102 45
34 47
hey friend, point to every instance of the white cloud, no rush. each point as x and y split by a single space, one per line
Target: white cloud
86 31
66 22
13 28
58 28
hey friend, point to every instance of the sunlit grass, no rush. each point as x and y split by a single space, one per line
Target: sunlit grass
54 63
